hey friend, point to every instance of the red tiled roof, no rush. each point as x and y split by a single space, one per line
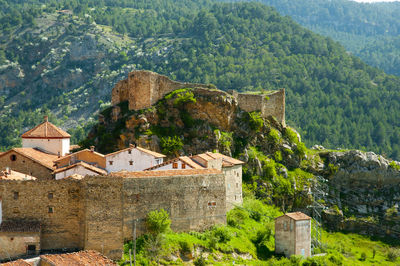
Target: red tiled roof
46 130
184 159
298 216
87 257
182 172
153 153
83 164
19 262
224 157
43 158
20 226
74 147
85 150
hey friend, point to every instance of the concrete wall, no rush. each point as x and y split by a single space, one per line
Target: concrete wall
121 161
15 244
60 229
50 145
25 165
233 177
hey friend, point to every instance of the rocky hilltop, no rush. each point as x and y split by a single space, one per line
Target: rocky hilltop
361 189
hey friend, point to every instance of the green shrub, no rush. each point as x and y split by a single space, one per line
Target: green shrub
158 222
332 169
278 156
301 149
185 246
392 254
256 122
269 169
171 145
222 234
394 165
363 256
291 136
273 136
236 217
200 261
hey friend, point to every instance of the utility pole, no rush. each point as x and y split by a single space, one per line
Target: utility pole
317 193
134 243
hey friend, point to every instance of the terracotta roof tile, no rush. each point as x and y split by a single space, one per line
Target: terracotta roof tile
164 173
19 262
46 130
13 175
298 216
75 153
83 164
87 257
19 226
224 157
43 158
184 159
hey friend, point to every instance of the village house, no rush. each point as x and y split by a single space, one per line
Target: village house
132 159
179 163
293 234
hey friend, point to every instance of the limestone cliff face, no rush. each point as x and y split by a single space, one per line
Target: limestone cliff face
363 185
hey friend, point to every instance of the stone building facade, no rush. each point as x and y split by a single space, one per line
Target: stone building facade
142 89
293 234
98 212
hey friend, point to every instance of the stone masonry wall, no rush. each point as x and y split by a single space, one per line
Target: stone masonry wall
60 229
187 198
25 165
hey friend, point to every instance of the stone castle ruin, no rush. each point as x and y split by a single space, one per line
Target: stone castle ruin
142 89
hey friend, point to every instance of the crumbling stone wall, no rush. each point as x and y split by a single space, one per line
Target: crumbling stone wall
142 89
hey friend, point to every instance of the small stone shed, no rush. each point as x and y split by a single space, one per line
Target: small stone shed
19 238
293 234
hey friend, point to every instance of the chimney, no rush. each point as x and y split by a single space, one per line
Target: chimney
131 145
8 170
46 118
59 155
92 148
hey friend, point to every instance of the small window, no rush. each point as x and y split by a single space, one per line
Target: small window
174 165
13 157
51 209
130 162
129 152
50 195
235 197
237 185
110 162
291 226
16 195
183 166
31 250
285 226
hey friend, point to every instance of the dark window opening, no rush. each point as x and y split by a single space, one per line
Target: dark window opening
129 152
110 162
174 165
13 157
31 249
16 195
130 162
51 209
183 166
50 195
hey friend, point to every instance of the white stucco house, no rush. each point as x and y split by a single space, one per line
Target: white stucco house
80 168
47 137
132 159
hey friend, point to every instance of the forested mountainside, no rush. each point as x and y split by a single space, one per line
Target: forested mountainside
370 31
64 57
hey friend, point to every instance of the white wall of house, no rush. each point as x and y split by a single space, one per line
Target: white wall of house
170 166
50 145
136 160
79 169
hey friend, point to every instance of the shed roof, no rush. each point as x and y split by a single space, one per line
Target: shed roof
87 257
297 216
21 226
153 153
41 157
83 164
81 151
46 130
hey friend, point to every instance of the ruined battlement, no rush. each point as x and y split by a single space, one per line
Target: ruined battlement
142 89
